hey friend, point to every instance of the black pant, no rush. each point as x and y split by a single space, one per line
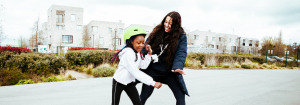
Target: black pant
173 84
130 89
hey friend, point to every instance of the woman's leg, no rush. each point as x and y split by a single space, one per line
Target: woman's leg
146 93
147 90
133 94
172 82
116 92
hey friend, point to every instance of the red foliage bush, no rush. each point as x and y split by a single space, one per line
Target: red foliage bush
14 49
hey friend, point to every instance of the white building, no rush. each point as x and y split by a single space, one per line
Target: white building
227 43
64 27
106 34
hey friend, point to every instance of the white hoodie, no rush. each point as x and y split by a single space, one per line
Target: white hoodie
128 69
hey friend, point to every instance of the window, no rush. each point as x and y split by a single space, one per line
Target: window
120 31
58 18
109 30
213 39
244 41
116 41
229 40
196 37
67 38
220 39
101 40
250 42
78 28
206 37
73 17
235 40
59 27
95 28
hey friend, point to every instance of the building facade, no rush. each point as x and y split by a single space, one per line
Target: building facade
227 43
107 35
63 29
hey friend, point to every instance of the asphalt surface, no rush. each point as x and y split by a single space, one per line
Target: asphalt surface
206 87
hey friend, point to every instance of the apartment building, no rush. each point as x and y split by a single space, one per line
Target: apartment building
227 43
106 35
63 28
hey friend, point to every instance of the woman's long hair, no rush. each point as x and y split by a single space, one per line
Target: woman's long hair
159 36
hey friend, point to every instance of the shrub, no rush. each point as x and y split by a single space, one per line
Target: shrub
104 70
24 81
36 63
11 77
254 65
70 77
89 69
246 66
14 49
226 65
207 58
80 68
187 62
85 57
237 65
51 79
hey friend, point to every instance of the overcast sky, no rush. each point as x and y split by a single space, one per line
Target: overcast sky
248 18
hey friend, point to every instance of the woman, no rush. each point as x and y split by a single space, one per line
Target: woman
169 42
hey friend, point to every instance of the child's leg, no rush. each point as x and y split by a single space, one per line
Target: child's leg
133 94
116 92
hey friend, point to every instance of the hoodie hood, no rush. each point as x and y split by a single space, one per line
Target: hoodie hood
127 49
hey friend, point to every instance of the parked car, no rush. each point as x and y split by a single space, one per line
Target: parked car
271 59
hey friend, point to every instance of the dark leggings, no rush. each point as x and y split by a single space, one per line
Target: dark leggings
173 84
130 89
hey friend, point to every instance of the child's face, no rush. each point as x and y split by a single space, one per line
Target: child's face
138 43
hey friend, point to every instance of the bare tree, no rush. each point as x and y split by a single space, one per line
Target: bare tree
206 43
22 42
223 44
37 34
86 38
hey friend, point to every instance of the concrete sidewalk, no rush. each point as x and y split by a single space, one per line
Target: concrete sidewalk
206 87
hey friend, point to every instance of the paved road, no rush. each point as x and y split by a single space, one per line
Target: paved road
206 87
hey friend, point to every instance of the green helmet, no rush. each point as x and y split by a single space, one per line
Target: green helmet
132 31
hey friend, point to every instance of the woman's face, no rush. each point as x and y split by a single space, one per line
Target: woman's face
168 24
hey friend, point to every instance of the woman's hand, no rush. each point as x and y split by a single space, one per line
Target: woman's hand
148 48
157 85
179 71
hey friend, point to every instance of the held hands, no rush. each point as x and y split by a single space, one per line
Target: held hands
157 85
179 71
148 48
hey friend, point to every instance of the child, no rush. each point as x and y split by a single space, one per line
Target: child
131 58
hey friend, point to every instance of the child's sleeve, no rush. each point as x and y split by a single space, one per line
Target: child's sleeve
145 63
129 61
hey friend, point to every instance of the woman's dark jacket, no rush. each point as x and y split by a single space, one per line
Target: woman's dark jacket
178 63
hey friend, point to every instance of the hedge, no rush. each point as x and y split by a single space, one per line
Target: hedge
226 57
85 57
33 63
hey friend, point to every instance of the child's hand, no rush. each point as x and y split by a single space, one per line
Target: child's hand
157 85
148 48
